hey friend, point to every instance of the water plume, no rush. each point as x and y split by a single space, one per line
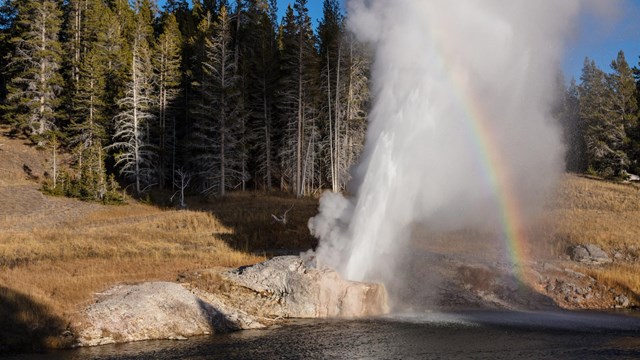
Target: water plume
460 131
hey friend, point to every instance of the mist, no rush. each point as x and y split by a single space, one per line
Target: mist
460 123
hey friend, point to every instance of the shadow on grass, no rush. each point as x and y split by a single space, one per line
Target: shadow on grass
26 325
258 224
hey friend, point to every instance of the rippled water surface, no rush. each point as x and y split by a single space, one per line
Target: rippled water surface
469 335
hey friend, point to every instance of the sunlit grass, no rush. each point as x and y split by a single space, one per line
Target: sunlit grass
586 211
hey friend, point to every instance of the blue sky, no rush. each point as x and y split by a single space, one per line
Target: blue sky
601 37
315 8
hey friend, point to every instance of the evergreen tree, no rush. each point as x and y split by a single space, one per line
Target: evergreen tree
604 133
261 52
167 61
88 77
35 85
331 59
7 18
624 110
88 126
298 102
251 99
133 123
217 114
573 129
116 44
356 106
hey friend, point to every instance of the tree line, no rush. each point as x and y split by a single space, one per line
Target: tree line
223 93
599 117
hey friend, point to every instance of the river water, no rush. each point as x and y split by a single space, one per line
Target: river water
465 335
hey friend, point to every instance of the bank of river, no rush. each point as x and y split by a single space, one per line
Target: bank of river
464 335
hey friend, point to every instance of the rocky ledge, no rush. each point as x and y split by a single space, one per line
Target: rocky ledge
225 300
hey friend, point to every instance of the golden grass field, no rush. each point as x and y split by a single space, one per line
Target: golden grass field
607 214
56 253
59 268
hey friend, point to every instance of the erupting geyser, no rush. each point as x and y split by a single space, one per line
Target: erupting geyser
460 132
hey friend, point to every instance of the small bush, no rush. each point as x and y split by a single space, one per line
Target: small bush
90 184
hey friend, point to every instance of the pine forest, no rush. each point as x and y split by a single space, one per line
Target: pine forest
211 97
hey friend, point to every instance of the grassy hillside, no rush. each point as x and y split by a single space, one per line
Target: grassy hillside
591 211
56 253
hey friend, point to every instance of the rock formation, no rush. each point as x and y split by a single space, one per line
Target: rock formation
589 254
246 298
288 287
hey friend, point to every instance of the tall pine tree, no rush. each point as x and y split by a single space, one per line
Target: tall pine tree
36 83
217 127
167 62
604 133
136 157
298 102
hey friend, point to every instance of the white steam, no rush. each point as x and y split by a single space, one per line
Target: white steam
443 70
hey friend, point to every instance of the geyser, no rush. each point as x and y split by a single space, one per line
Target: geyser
460 132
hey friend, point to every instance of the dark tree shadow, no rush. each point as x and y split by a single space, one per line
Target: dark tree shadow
258 222
26 325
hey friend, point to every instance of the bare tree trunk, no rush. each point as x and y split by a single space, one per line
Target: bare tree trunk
135 119
243 158
223 123
267 133
336 163
331 141
43 69
91 111
77 39
349 106
222 155
102 180
237 44
173 152
55 162
298 187
163 113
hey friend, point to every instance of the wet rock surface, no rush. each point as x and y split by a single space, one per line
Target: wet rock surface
289 286
453 283
250 297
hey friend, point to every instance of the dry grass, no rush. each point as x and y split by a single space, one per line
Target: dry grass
61 267
586 211
48 273
625 276
55 271
56 253
15 153
589 211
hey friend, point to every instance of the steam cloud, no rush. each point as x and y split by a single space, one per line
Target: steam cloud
444 69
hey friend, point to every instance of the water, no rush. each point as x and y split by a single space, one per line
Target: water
468 335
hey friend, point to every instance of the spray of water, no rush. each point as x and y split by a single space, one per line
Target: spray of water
460 125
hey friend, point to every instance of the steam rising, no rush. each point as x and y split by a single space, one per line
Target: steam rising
443 71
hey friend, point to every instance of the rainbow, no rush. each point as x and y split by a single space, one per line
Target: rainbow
495 169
